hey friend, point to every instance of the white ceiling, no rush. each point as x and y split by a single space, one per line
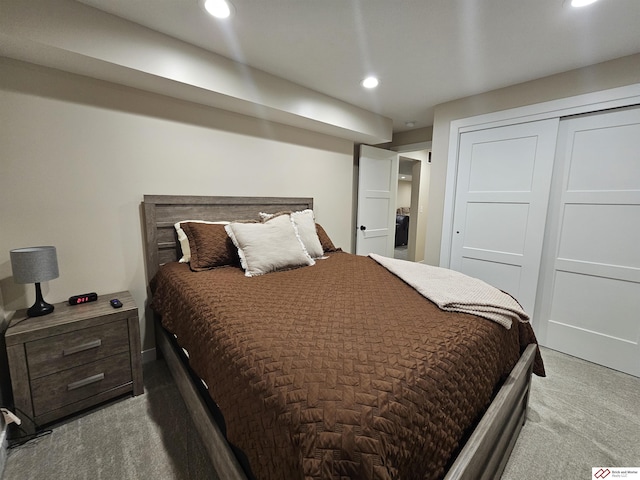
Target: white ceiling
425 52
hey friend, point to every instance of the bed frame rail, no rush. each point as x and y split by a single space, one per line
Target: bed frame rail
223 461
487 451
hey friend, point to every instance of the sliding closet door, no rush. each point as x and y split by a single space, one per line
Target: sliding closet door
502 193
590 303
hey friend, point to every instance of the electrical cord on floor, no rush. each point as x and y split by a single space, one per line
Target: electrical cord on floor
17 441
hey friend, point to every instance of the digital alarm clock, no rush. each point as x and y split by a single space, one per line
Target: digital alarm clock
84 298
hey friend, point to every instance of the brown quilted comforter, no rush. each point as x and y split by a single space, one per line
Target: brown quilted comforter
339 370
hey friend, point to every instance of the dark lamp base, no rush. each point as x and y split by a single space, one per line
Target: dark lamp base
39 309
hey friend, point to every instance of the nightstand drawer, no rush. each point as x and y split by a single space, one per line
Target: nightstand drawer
61 352
69 386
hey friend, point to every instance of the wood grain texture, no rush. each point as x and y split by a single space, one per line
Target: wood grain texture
73 343
67 318
136 355
163 211
486 452
51 355
78 406
55 391
20 386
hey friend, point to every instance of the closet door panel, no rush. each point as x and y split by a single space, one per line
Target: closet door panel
502 193
496 227
604 314
590 297
614 241
617 169
500 275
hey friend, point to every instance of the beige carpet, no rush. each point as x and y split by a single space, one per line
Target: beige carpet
581 415
150 436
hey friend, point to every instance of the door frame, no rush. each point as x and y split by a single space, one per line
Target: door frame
419 195
586 103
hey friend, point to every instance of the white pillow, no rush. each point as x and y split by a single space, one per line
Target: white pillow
306 224
269 246
184 241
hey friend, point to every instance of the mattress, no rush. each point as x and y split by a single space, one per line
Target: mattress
338 370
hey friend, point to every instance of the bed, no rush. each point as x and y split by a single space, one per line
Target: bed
290 394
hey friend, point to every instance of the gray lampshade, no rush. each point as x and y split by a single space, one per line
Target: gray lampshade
34 264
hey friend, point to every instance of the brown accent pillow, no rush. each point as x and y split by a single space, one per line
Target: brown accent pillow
210 246
325 241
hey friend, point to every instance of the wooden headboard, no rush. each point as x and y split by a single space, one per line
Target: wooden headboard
161 212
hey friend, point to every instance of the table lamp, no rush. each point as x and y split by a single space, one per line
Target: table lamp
35 265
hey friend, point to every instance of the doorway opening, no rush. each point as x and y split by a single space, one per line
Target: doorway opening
412 193
403 207
378 178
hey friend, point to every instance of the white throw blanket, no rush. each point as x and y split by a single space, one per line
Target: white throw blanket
456 292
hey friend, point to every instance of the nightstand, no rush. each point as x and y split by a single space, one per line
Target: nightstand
74 358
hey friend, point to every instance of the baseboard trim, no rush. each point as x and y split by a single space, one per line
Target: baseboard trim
149 355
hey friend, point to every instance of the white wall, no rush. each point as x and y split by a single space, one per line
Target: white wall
611 74
78 154
404 194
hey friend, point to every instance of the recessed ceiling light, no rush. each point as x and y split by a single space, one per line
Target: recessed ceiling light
370 82
218 8
582 3
410 124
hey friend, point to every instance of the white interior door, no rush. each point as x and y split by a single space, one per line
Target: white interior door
590 303
377 190
502 194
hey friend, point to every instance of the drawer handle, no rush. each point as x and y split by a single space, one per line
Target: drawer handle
82 348
85 381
